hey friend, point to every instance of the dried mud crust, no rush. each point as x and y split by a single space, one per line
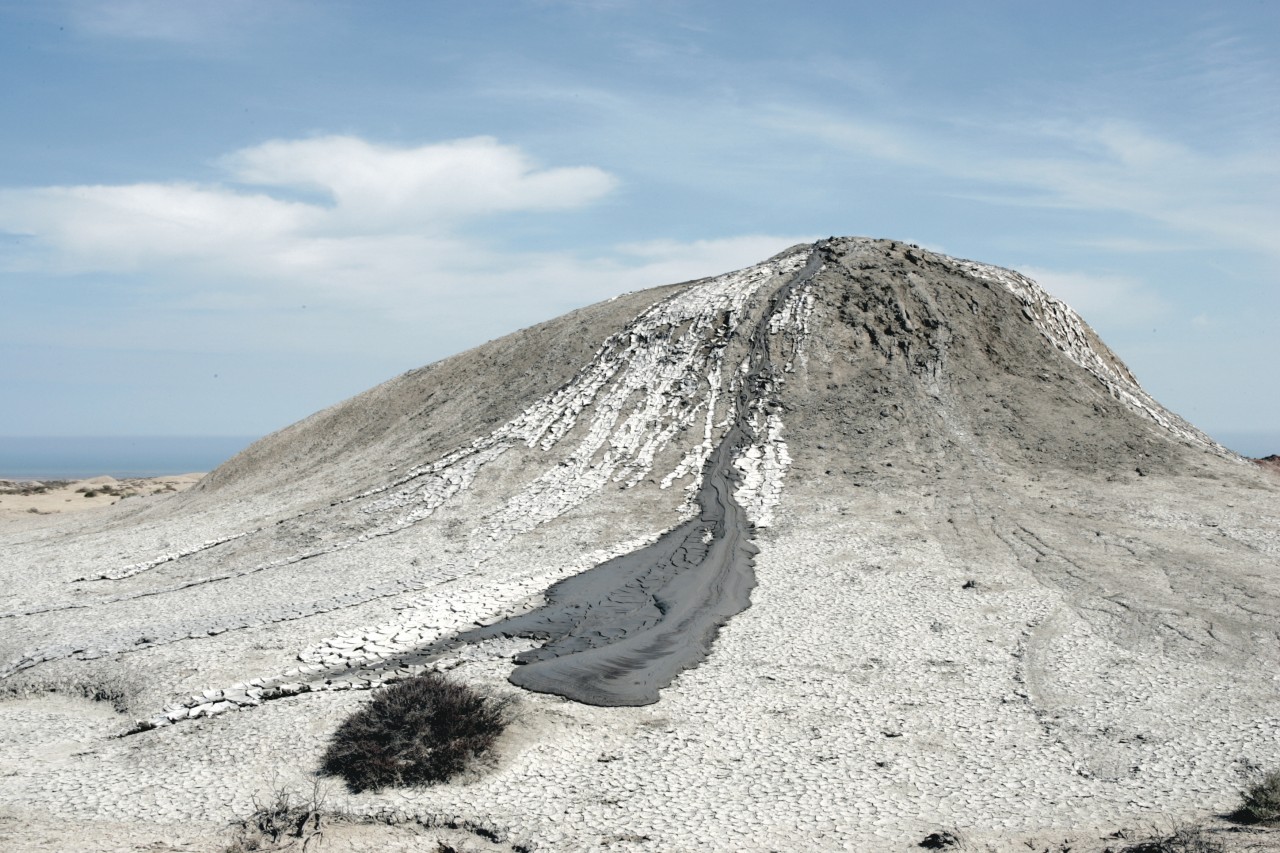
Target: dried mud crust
997 591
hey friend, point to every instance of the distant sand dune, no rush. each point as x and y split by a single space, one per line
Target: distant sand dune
62 496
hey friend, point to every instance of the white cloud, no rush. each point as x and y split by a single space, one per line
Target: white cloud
385 210
881 140
382 186
112 228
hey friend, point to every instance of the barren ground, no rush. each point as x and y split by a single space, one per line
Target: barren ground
995 596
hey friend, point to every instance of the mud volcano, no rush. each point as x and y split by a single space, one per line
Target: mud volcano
858 545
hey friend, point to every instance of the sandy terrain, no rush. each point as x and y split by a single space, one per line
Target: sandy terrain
999 592
61 496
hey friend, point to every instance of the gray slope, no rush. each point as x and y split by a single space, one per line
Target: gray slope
422 414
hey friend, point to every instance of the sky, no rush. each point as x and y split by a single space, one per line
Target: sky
218 218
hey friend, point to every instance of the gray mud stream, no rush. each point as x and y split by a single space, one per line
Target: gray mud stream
618 633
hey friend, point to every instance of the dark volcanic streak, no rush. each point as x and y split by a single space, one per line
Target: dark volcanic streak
618 633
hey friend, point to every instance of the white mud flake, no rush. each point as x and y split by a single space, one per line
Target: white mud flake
762 468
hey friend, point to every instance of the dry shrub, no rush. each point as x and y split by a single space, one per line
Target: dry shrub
115 689
283 821
418 731
1262 799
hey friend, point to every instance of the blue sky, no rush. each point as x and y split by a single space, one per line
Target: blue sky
217 218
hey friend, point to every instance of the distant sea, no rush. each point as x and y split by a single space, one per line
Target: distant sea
75 458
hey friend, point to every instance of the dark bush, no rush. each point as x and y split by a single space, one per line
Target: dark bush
1262 799
416 732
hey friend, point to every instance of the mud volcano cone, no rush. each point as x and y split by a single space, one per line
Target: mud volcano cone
863 541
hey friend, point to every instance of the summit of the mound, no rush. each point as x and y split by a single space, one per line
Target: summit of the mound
957 362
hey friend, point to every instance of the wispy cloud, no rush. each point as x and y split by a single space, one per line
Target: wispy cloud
1108 166
1216 69
1209 197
